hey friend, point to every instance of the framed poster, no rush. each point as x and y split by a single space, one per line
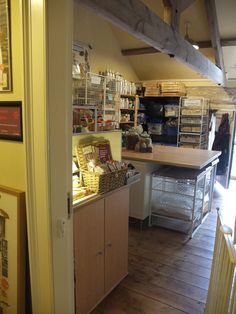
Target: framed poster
11 120
5 47
12 251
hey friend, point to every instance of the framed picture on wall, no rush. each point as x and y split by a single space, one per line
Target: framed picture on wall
11 121
12 250
5 47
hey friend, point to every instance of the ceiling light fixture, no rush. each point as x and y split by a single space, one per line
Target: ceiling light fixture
186 37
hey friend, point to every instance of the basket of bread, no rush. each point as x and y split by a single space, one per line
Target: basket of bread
99 171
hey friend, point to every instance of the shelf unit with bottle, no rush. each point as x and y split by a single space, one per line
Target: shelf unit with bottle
128 108
193 122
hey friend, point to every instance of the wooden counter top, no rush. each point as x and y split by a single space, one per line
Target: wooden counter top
174 156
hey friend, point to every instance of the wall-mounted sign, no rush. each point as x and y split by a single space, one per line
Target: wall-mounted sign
12 251
5 47
11 120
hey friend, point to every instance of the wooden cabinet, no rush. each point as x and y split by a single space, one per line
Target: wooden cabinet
100 248
89 255
116 238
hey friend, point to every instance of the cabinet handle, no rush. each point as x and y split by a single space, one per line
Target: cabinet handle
99 253
109 244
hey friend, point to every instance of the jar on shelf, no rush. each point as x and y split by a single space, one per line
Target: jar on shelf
132 139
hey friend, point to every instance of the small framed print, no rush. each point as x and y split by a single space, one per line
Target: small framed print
12 250
11 121
5 47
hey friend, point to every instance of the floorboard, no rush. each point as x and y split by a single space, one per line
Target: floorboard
168 273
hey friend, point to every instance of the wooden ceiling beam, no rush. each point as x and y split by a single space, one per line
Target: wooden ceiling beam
173 9
202 44
214 31
137 19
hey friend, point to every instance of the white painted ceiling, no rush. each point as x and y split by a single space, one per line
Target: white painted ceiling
160 66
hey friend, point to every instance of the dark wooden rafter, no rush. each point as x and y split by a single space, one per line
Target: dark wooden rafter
202 44
173 9
214 31
134 17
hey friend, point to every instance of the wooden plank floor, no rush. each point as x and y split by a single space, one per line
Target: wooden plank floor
167 272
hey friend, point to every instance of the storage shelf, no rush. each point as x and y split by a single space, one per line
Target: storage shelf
197 123
127 122
192 115
192 133
127 109
193 122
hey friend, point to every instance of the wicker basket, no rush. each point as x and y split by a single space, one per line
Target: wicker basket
105 182
100 183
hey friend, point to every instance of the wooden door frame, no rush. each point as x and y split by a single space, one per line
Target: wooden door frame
47 40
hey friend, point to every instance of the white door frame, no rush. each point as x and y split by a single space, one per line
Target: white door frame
48 29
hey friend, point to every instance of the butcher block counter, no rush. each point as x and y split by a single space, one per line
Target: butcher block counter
174 156
147 163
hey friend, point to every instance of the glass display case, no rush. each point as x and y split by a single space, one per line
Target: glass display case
180 197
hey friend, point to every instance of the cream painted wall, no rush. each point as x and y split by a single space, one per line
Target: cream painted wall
105 53
12 156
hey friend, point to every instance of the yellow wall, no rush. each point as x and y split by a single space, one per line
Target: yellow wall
12 156
106 52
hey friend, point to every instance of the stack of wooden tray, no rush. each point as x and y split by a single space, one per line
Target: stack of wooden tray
151 89
172 89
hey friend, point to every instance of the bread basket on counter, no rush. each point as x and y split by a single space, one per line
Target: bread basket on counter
98 154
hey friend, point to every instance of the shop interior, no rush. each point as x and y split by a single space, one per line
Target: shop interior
133 165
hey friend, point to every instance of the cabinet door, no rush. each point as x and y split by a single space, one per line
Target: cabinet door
89 255
116 237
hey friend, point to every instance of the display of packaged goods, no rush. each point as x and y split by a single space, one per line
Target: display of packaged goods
186 129
84 119
155 128
193 120
171 111
99 171
193 129
195 138
192 102
193 112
